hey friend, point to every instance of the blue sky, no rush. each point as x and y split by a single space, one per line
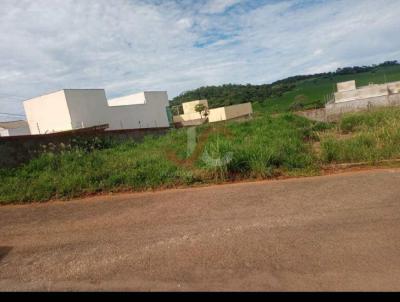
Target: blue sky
127 46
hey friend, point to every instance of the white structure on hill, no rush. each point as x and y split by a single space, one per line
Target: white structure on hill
14 128
191 117
347 91
70 109
350 98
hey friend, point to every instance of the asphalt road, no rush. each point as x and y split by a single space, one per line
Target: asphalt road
338 232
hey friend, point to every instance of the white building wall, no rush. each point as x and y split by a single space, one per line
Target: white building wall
229 112
238 110
48 113
346 86
19 131
187 117
80 108
133 99
362 93
216 114
87 107
190 107
4 132
150 114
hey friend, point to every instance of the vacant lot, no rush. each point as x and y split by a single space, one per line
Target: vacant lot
265 147
336 232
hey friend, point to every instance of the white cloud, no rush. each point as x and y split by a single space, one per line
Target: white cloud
323 68
218 6
318 52
127 46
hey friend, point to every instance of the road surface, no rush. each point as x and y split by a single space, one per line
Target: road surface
338 232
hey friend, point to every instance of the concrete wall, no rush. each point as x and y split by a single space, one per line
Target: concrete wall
361 93
186 117
14 128
17 150
19 131
334 111
229 112
345 94
394 87
346 86
238 110
189 107
217 114
361 99
48 113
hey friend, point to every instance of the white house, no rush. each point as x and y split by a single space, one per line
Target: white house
70 109
214 115
141 110
14 128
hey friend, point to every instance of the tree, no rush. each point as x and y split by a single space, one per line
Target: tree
239 93
202 109
175 110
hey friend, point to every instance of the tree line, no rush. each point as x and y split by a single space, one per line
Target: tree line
230 94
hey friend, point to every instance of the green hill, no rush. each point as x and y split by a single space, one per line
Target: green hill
307 91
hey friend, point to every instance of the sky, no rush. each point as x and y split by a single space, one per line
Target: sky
127 46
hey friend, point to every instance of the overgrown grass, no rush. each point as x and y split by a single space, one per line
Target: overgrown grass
261 147
74 173
267 146
368 136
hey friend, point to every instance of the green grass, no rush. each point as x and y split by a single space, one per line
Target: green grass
313 90
263 147
363 137
267 146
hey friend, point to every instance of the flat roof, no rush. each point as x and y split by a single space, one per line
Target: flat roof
64 89
138 98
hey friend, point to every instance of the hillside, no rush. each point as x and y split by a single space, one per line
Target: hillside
306 90
268 146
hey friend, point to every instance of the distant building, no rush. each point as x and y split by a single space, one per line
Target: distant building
347 91
70 109
230 112
191 117
14 128
350 98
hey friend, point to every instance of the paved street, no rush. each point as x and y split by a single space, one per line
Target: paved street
338 232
